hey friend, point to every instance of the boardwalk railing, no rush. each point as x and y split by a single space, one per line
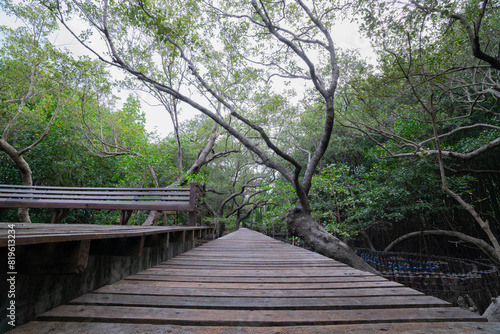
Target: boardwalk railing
125 199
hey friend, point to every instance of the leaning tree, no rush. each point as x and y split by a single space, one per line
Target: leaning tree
240 56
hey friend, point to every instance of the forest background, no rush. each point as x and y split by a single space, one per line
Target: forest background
411 150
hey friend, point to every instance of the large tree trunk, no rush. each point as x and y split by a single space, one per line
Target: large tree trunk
26 175
302 224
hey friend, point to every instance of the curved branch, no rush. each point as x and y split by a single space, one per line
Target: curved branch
462 128
118 61
246 203
51 121
484 224
202 158
221 155
240 193
327 93
463 156
481 244
472 32
273 30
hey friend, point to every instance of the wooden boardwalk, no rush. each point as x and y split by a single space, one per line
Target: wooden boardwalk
246 282
65 248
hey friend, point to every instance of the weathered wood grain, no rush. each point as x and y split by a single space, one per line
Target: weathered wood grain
127 200
247 279
380 328
246 282
162 291
274 303
130 284
251 318
30 234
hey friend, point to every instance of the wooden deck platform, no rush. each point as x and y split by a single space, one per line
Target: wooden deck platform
31 234
246 282
65 248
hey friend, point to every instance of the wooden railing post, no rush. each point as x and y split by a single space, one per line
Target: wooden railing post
192 218
193 201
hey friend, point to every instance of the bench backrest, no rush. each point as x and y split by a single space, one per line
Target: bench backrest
161 199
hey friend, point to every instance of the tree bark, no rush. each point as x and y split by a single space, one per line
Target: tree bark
368 239
26 175
302 224
484 224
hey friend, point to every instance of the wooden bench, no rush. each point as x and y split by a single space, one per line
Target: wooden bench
125 199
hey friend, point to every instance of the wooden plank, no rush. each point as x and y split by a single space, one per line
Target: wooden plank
146 276
204 257
254 265
95 196
260 286
94 204
47 233
219 266
242 255
40 228
43 327
237 303
163 291
256 261
5 187
259 273
210 317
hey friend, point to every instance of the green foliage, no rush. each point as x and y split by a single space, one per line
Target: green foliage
350 200
427 72
89 144
202 177
271 217
424 72
229 223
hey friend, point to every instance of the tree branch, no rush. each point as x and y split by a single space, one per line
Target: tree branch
481 244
